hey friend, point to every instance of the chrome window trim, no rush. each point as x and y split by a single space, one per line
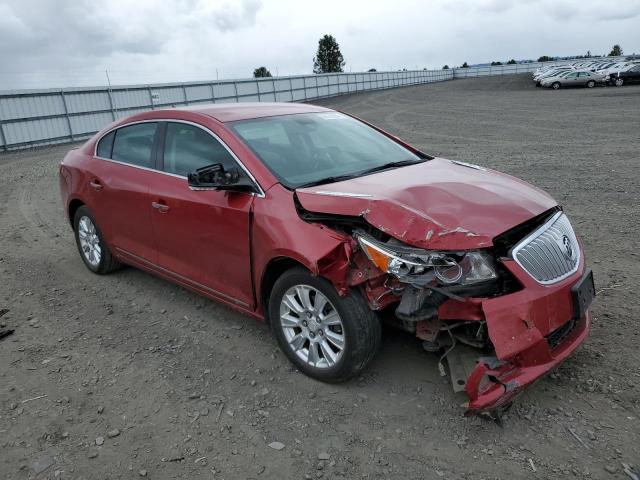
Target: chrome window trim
532 236
202 127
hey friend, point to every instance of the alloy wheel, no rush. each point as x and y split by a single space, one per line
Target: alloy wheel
312 326
89 241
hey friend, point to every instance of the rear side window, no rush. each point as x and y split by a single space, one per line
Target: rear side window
188 148
105 145
133 144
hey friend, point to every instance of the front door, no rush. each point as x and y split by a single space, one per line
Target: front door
202 236
571 79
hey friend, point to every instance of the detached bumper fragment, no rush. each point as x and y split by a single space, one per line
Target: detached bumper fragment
492 385
528 333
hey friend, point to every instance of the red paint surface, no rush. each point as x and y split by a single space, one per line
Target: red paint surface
437 204
220 244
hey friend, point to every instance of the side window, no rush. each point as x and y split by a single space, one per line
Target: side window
133 144
187 148
105 145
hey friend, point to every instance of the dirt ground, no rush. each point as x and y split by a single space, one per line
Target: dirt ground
128 376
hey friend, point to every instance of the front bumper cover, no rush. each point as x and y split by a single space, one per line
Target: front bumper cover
493 384
521 327
531 331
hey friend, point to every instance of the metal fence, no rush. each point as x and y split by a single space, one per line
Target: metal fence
490 70
44 117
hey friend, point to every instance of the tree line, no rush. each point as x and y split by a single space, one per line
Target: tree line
329 59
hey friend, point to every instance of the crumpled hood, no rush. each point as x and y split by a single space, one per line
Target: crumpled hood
438 204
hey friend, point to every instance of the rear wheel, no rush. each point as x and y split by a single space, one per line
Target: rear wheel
591 84
619 82
328 337
555 85
91 245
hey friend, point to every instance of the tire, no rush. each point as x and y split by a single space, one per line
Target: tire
555 85
591 84
91 244
358 326
619 82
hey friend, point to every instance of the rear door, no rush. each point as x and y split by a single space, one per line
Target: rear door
584 77
202 236
119 184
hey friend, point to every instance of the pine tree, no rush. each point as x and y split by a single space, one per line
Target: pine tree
328 59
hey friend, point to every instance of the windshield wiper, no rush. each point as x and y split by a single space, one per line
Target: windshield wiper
337 178
389 165
378 168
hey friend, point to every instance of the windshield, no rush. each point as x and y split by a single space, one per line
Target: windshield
313 148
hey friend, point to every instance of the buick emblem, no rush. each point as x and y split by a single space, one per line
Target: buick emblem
568 249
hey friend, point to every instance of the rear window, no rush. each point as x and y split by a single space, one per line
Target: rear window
133 144
105 145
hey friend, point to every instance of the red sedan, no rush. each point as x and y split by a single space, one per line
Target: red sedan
324 226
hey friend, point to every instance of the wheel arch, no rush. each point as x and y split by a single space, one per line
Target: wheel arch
73 207
274 269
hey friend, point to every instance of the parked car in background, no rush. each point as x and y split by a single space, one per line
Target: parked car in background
551 73
324 225
616 67
602 68
573 79
624 77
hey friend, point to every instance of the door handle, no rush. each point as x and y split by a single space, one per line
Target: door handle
96 185
161 207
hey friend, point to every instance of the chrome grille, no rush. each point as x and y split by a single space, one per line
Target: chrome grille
551 253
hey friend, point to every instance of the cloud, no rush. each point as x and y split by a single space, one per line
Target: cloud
47 43
232 17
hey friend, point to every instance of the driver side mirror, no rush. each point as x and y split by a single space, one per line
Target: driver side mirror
215 177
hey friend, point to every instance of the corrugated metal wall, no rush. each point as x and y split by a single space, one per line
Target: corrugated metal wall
43 117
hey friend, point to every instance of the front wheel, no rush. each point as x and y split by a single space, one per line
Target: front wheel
555 85
591 84
619 82
328 337
91 245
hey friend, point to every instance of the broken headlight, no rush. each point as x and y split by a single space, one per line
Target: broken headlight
422 266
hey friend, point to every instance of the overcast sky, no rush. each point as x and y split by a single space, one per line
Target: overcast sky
55 43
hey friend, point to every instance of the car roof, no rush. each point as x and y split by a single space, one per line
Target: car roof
230 112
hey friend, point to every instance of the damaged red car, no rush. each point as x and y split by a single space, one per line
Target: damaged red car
325 226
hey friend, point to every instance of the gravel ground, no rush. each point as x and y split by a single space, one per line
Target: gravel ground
128 376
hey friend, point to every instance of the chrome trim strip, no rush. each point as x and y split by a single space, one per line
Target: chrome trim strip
202 127
184 279
342 194
531 237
